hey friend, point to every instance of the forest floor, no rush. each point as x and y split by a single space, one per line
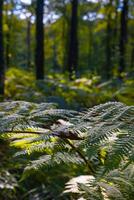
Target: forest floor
81 93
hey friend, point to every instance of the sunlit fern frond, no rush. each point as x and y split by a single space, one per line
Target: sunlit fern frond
111 128
115 185
104 132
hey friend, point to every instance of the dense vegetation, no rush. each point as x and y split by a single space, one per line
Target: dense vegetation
66 99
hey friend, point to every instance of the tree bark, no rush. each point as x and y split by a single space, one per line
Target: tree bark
9 33
39 51
115 46
123 36
132 59
29 43
64 36
109 32
73 41
90 45
7 38
2 66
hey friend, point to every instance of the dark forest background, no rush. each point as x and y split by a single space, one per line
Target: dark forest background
67 39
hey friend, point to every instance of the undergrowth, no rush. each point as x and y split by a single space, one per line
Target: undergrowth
83 92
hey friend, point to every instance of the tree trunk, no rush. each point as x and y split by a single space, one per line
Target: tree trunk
108 67
2 67
8 34
115 46
29 43
73 42
90 45
123 36
64 37
132 59
39 51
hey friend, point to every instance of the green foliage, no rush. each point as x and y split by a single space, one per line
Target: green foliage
108 127
117 184
92 34
39 193
83 92
19 84
101 138
125 93
8 184
58 144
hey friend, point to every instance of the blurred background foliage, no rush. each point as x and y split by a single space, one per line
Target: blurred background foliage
78 94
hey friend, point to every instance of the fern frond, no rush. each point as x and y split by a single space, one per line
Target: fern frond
116 184
121 149
107 126
52 160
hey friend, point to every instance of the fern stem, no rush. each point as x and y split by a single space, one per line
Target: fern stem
28 132
54 134
89 165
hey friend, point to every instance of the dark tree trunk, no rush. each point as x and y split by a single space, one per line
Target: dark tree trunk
7 43
2 67
90 45
123 36
115 45
64 36
39 51
109 31
29 43
7 50
132 59
73 41
8 34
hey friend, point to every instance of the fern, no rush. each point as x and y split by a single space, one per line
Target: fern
106 128
115 185
56 159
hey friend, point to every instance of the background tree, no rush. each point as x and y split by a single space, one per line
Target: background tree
28 39
2 66
29 12
73 41
109 38
39 51
9 13
99 24
123 36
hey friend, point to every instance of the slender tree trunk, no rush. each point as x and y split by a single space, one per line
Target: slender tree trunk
115 34
132 59
63 45
39 51
7 50
73 42
29 42
108 68
2 67
8 34
7 38
123 36
90 45
64 37
108 50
